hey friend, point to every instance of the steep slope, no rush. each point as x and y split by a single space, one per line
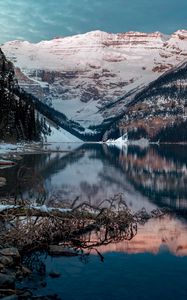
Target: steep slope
58 134
159 112
87 76
17 117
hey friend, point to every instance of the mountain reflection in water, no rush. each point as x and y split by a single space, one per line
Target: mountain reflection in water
153 177
150 177
153 263
161 234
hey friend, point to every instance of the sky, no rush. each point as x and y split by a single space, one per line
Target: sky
36 20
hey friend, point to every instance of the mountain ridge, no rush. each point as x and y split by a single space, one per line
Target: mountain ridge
91 78
97 32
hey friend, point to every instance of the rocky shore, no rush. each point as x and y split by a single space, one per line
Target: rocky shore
30 233
13 272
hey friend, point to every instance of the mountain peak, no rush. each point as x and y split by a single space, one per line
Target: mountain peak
100 35
181 34
94 68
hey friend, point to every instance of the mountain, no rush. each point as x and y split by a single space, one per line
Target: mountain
17 116
159 111
87 82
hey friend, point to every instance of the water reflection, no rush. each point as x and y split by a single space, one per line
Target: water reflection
165 234
159 173
150 177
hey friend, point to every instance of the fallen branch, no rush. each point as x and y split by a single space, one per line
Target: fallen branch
82 226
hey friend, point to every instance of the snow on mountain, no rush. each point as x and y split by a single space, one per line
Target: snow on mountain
81 74
61 135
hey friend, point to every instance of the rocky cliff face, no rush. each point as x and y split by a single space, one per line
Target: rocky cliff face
97 79
17 117
81 75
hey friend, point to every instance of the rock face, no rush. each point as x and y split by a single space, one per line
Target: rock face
91 78
80 75
17 117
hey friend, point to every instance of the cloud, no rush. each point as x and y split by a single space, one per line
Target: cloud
36 20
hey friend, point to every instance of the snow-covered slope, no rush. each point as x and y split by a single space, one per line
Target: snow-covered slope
78 75
59 135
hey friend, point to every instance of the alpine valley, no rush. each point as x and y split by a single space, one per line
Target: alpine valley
99 85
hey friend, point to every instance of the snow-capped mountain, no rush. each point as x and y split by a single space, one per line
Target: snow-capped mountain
91 77
81 76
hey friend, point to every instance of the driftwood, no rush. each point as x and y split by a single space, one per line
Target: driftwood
77 230
81 225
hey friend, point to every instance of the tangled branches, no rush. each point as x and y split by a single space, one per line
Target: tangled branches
81 225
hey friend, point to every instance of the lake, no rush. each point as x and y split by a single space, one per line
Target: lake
154 263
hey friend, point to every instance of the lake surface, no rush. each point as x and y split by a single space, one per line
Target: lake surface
154 263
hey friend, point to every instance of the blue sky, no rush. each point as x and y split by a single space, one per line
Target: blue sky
36 20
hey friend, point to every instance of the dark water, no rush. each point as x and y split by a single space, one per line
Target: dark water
151 177
122 276
154 263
